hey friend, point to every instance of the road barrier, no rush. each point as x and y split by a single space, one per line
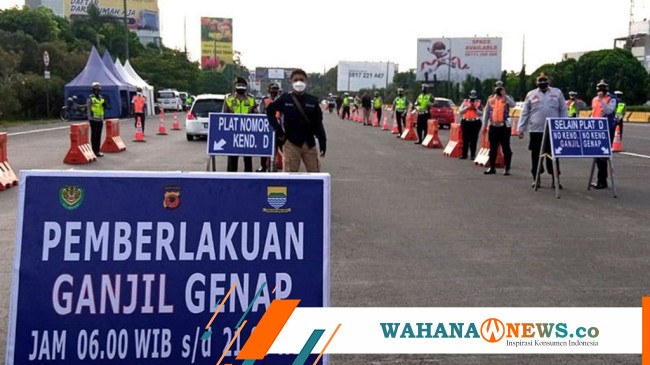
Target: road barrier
113 142
408 133
432 140
80 151
7 176
483 155
455 145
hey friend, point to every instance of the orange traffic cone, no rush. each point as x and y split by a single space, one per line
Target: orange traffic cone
162 130
384 126
375 120
176 126
139 134
617 146
395 129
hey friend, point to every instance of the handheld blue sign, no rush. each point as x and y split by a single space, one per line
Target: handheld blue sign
579 137
240 135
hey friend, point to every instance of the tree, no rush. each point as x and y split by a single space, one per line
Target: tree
38 23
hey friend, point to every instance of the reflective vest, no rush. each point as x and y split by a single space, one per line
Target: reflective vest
499 109
571 104
188 100
423 101
620 108
138 103
240 106
471 114
597 107
97 106
377 103
346 102
400 103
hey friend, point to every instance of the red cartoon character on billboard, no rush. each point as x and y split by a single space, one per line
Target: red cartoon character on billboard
442 58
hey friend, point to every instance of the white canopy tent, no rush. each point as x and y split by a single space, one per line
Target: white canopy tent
147 90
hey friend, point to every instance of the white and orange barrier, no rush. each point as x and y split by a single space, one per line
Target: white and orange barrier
432 140
7 176
113 142
408 133
483 155
139 132
80 151
176 126
455 146
384 125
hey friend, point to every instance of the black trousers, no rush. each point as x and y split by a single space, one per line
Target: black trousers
534 145
499 136
470 130
141 115
400 117
601 163
96 127
422 126
378 111
233 163
346 112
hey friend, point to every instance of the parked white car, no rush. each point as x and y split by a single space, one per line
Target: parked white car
198 118
170 100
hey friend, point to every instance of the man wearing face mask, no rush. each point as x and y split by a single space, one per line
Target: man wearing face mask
273 93
96 107
541 103
604 106
240 103
470 123
496 114
302 125
423 104
400 104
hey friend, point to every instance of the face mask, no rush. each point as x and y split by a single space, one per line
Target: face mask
240 89
401 94
472 98
299 86
543 85
604 90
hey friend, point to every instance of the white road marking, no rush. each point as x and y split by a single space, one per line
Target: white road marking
38 131
633 154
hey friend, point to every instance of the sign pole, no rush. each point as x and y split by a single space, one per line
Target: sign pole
611 174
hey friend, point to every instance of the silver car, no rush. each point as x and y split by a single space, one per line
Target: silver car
198 118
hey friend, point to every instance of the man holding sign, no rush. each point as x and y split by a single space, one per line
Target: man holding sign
604 106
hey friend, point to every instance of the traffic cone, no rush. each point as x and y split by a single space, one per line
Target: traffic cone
384 126
395 129
375 120
176 126
617 146
162 130
139 134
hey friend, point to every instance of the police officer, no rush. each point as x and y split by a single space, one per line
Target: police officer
400 104
346 106
139 106
376 105
541 103
422 104
604 106
273 91
496 114
240 103
575 105
188 102
470 123
96 107
621 108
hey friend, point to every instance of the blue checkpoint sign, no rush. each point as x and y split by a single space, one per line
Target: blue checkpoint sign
579 137
128 267
240 135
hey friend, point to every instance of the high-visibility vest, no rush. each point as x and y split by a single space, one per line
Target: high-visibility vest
620 108
423 101
400 103
571 104
346 102
138 103
97 106
471 114
188 100
240 106
499 109
377 103
597 107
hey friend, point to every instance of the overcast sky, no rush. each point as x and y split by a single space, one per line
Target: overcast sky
315 35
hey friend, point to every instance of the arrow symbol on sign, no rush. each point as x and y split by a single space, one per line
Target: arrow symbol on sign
605 150
218 146
558 150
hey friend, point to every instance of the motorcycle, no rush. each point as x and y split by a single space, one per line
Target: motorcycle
73 109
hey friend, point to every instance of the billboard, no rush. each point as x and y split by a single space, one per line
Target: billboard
216 43
280 75
354 76
453 59
141 14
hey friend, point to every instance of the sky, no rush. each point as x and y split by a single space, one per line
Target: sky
316 35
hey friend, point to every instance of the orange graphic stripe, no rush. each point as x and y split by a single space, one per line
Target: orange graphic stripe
645 323
231 342
274 289
272 322
328 343
222 302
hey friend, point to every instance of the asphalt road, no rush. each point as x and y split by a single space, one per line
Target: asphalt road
411 227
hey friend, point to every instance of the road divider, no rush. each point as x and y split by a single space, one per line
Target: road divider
408 134
483 155
7 176
80 151
455 145
113 142
432 140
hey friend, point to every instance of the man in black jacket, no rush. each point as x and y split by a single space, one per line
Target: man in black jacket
303 120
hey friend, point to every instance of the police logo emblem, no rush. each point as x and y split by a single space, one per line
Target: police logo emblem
71 197
172 198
